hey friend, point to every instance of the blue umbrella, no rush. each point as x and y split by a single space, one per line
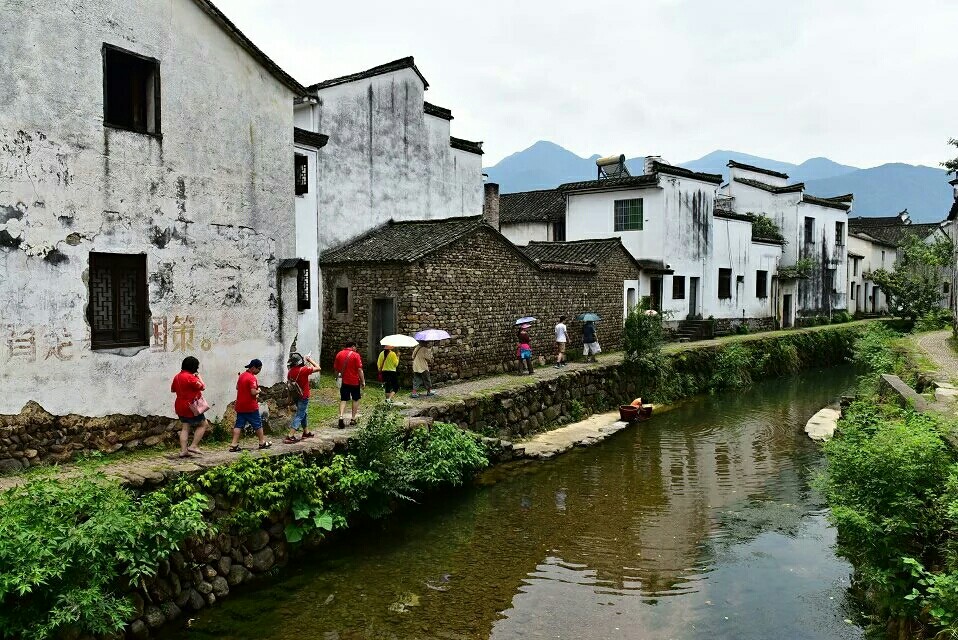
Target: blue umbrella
588 317
427 335
525 320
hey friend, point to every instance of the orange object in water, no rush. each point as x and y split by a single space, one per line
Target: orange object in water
637 402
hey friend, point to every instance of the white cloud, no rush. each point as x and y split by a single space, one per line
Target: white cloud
860 81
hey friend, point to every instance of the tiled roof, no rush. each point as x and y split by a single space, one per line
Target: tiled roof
866 222
545 205
824 202
661 167
630 182
750 167
403 63
465 145
791 188
439 112
852 254
310 138
848 197
231 29
403 241
574 252
893 233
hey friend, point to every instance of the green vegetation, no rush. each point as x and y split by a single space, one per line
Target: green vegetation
892 484
801 269
914 287
951 165
71 548
765 228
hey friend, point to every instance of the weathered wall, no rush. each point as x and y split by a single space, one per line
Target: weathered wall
475 289
387 159
210 204
735 250
867 300
521 234
307 237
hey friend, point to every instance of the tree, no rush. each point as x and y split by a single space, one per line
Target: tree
914 287
951 165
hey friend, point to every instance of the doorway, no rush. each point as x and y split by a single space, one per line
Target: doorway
787 320
655 293
382 322
693 298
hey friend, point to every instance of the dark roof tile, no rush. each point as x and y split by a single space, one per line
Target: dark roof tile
630 182
439 112
824 202
751 167
403 241
577 252
764 186
465 145
546 205
672 170
396 65
309 138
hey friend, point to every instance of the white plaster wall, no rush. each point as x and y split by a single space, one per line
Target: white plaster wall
307 239
735 250
210 205
387 159
523 233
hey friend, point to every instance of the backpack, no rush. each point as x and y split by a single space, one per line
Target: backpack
293 389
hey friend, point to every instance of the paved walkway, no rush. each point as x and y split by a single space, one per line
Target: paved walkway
936 345
141 471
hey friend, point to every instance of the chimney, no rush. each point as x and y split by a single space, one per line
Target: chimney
647 169
490 204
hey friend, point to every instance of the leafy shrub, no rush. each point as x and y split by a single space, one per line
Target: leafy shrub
734 367
934 320
576 411
765 228
443 454
69 547
741 329
841 317
878 350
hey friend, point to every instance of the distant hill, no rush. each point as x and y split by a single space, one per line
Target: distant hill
879 191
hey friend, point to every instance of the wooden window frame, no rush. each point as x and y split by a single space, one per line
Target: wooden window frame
839 234
300 174
119 337
303 294
156 130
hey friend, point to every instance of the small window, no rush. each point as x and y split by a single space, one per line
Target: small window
831 281
839 234
302 174
628 215
851 292
342 299
946 287
809 230
854 266
725 284
131 91
558 230
678 287
117 308
883 259
761 284
630 299
303 300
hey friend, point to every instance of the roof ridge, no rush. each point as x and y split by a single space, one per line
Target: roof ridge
407 62
752 167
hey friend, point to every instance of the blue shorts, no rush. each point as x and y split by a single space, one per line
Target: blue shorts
251 418
193 420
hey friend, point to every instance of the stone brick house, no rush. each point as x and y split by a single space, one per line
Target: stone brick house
462 275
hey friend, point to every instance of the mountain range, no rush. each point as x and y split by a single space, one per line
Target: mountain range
879 191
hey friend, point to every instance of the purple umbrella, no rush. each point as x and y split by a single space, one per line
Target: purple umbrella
432 334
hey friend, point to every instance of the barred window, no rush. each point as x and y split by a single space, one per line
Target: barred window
117 308
839 234
303 299
302 174
628 215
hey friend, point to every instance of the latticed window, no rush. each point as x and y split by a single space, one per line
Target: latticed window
117 309
302 287
628 215
302 174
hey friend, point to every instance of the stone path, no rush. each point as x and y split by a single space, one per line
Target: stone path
590 431
935 344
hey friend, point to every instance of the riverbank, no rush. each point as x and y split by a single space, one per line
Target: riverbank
343 483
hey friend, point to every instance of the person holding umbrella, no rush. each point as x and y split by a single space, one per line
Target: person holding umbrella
421 357
590 344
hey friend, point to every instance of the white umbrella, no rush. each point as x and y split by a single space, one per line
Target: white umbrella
398 340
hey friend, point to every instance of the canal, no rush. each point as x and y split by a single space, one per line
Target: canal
698 524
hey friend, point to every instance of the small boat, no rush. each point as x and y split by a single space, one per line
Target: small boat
632 413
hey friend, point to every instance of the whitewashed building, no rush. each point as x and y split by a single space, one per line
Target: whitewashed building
815 232
146 204
389 155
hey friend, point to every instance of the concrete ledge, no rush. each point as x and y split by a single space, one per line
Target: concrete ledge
894 389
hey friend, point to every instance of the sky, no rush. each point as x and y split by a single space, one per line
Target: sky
863 82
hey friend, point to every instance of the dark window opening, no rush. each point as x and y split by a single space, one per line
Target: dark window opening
839 234
761 284
831 281
809 230
852 292
303 300
725 284
131 91
117 308
342 299
558 230
628 215
854 266
302 174
945 287
678 287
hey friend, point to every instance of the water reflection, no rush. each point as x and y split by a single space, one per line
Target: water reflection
698 523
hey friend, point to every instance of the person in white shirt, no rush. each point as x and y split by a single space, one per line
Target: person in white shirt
561 339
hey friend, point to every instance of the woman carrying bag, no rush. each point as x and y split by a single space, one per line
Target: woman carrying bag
190 406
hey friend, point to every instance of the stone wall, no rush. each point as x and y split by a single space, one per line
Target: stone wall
475 289
35 436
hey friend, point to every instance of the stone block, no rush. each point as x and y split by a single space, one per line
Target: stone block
153 617
170 611
260 561
224 565
238 574
257 540
220 586
138 631
196 600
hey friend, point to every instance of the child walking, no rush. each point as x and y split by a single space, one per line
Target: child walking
247 406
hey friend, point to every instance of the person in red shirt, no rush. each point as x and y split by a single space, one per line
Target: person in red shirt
300 373
348 366
247 406
188 387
